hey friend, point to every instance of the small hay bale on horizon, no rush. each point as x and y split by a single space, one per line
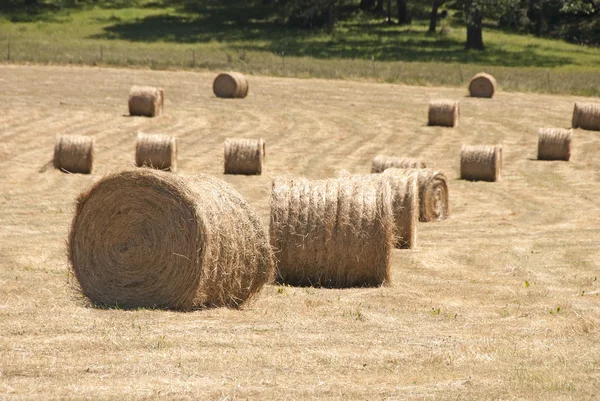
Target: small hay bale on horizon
482 85
146 101
244 156
156 151
231 85
444 113
586 116
554 144
381 163
74 153
481 162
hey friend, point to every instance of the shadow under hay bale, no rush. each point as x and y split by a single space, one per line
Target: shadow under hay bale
554 144
74 154
482 85
481 162
586 116
244 156
231 85
382 163
444 113
332 233
146 101
146 238
156 151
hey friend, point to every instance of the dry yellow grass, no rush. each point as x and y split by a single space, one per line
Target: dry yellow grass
500 301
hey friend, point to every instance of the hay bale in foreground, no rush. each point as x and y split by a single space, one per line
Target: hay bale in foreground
230 85
482 85
444 113
244 156
586 116
554 144
146 101
382 163
332 233
156 151
146 238
74 153
481 162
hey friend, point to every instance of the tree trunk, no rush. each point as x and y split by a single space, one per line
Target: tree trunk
379 6
331 15
389 11
403 17
474 32
433 16
366 5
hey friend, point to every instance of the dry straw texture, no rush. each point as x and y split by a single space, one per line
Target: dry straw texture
482 85
244 156
332 233
156 151
230 85
586 116
382 163
481 162
146 238
444 113
74 154
146 101
554 144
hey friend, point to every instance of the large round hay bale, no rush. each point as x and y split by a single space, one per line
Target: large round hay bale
382 163
146 101
332 233
156 151
554 144
444 113
244 156
480 162
482 85
146 238
74 153
230 85
586 116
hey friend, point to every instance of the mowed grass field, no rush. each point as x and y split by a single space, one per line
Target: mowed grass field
500 301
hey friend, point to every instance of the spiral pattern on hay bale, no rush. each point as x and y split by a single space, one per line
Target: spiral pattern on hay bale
156 151
482 85
481 162
586 116
74 153
332 233
554 144
444 113
146 238
230 85
381 163
244 156
146 101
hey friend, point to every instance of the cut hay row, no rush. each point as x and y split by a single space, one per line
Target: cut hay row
480 162
156 151
586 116
146 101
244 156
381 163
74 154
444 113
482 85
230 85
146 238
554 144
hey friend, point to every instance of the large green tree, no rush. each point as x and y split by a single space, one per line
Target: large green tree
475 11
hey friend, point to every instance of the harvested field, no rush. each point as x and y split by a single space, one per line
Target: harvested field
499 301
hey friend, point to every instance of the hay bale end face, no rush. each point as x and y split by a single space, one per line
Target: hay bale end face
146 101
382 163
74 154
244 156
156 151
481 162
586 116
146 238
482 85
554 144
444 113
332 233
230 85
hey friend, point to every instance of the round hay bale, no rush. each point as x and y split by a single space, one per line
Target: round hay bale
586 116
481 162
74 153
230 85
382 163
146 101
482 85
332 233
244 156
156 151
554 144
146 238
444 113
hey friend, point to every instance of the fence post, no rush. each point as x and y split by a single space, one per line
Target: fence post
373 64
283 63
193 58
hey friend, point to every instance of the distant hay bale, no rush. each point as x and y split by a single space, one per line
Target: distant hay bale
244 156
156 151
146 238
444 113
554 144
482 85
586 116
230 85
146 101
332 233
382 163
74 153
481 162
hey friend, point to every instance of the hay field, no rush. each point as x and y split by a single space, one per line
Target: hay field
500 301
